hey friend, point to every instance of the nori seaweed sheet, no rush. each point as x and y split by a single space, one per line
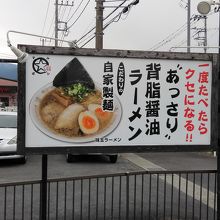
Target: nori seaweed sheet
74 72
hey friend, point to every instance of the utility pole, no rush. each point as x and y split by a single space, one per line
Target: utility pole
202 32
205 40
188 26
99 24
57 21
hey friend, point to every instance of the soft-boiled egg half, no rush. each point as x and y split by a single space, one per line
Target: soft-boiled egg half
103 116
88 122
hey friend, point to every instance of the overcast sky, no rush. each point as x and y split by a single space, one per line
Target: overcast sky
147 24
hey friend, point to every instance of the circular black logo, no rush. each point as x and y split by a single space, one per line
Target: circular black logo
40 65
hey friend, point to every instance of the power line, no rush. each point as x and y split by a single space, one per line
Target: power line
169 37
112 12
79 15
118 16
75 11
183 4
63 13
173 35
69 13
89 26
86 38
183 41
115 10
85 35
6 55
69 18
65 33
194 19
115 0
59 21
52 22
49 29
48 5
88 41
105 26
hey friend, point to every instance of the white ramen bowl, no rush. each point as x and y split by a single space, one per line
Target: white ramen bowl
38 122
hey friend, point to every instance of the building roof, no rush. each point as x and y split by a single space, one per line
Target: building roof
7 82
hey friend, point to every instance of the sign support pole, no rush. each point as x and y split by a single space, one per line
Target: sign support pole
188 26
43 189
218 149
99 24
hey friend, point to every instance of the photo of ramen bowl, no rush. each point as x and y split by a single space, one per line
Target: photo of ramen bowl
70 108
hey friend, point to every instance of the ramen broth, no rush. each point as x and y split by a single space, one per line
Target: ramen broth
60 113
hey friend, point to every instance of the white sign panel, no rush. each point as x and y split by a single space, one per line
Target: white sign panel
96 101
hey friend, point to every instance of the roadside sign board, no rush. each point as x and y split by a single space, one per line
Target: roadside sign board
116 101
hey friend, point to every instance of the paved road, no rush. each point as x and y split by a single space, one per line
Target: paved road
183 160
150 196
92 165
59 168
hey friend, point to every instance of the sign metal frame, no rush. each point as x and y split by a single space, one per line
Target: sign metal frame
117 54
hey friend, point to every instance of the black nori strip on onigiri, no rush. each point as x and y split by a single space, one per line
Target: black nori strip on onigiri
73 73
